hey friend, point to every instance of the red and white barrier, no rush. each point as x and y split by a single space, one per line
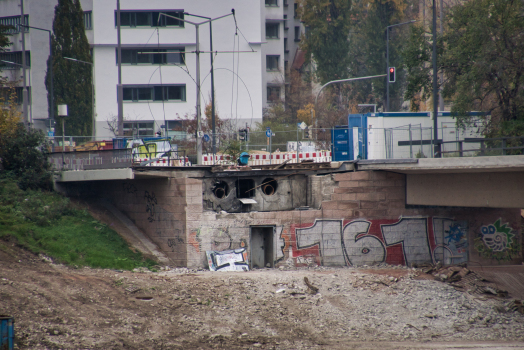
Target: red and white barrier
274 158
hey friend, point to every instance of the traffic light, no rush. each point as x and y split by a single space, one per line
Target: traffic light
306 133
392 74
243 134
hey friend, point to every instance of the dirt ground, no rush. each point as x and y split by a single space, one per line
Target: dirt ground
57 307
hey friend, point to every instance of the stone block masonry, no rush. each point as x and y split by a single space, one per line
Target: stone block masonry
360 219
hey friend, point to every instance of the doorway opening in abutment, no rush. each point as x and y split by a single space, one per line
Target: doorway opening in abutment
262 252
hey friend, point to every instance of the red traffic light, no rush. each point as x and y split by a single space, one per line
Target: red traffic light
392 74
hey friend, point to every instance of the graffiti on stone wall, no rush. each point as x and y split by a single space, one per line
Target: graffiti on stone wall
129 188
359 242
497 241
219 238
228 260
195 240
151 202
173 242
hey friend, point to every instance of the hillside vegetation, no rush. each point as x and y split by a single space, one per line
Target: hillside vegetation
47 223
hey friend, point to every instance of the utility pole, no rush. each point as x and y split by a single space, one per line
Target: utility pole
199 118
24 67
197 52
441 99
437 150
120 90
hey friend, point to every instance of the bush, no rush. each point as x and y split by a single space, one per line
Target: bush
24 157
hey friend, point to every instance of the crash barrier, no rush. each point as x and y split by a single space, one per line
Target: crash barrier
274 158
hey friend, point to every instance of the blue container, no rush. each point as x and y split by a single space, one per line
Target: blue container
7 332
244 158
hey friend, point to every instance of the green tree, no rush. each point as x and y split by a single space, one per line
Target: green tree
368 40
481 55
72 80
23 155
328 24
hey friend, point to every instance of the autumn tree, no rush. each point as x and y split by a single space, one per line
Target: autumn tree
72 80
368 50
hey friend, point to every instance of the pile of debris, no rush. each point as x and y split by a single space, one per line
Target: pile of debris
471 282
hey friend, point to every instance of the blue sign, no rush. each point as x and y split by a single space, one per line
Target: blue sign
50 133
206 138
268 132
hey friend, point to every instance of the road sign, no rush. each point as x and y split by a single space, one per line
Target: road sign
206 138
268 132
50 133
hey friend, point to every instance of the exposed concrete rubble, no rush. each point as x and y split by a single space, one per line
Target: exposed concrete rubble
374 308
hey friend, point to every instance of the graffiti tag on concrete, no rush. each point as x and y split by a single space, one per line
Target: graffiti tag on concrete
405 241
151 202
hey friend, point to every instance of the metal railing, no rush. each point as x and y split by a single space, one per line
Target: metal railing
409 141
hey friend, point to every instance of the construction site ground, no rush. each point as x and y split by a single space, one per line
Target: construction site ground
58 307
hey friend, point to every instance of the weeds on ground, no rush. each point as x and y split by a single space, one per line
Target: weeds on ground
47 223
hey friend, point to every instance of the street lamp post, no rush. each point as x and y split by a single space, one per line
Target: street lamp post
197 52
341 81
213 122
93 128
387 57
52 99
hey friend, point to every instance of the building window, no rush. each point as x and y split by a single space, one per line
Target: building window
13 22
286 50
295 10
15 57
139 128
271 30
136 93
173 55
150 19
6 92
273 93
271 2
272 62
285 23
297 33
87 20
285 65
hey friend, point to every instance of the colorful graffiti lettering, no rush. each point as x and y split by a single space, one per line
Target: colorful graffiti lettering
228 260
405 241
497 241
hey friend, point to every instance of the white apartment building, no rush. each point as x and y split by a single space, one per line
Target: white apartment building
159 68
